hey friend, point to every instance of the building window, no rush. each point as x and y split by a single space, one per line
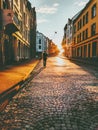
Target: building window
93 11
21 6
6 4
86 33
74 52
93 29
74 40
86 17
74 29
85 51
94 46
16 1
23 19
77 38
83 20
79 52
89 50
80 23
39 46
78 26
80 37
19 48
39 41
83 35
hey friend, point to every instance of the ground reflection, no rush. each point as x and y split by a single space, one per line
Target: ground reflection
60 61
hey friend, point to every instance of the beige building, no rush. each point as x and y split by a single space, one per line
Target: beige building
21 38
15 28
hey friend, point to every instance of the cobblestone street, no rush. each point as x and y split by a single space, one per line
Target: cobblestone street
62 96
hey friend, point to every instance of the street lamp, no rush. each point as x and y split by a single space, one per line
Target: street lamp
54 35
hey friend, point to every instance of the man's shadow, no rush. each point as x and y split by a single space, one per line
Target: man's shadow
35 73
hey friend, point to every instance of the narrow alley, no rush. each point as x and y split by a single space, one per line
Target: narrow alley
61 96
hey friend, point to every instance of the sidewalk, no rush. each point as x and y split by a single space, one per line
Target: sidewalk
14 74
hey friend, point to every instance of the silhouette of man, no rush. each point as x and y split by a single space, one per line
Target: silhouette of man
44 58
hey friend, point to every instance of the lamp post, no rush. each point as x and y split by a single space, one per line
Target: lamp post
54 35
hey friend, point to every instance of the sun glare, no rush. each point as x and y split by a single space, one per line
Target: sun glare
60 61
60 49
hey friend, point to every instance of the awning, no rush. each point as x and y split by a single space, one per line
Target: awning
11 28
20 39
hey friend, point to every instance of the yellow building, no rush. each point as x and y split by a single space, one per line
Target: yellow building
21 38
85 32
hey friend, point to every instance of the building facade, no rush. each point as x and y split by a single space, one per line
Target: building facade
85 32
33 27
63 43
82 42
52 48
41 43
21 38
15 30
68 38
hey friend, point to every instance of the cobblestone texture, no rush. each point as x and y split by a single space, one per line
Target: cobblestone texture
62 96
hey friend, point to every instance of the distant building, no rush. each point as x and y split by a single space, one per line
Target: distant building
52 48
80 38
41 43
63 43
85 32
68 36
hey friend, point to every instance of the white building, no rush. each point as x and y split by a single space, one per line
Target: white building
41 43
68 35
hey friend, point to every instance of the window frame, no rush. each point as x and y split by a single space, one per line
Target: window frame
93 29
93 11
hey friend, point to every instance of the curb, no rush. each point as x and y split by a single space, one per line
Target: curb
6 96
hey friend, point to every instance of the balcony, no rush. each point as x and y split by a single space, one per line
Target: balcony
10 21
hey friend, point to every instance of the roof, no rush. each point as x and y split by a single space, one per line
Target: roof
76 16
80 12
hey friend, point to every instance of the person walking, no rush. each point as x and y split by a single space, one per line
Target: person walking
44 58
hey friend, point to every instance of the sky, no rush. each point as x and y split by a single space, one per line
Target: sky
52 15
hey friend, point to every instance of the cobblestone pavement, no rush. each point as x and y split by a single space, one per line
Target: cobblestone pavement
62 96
